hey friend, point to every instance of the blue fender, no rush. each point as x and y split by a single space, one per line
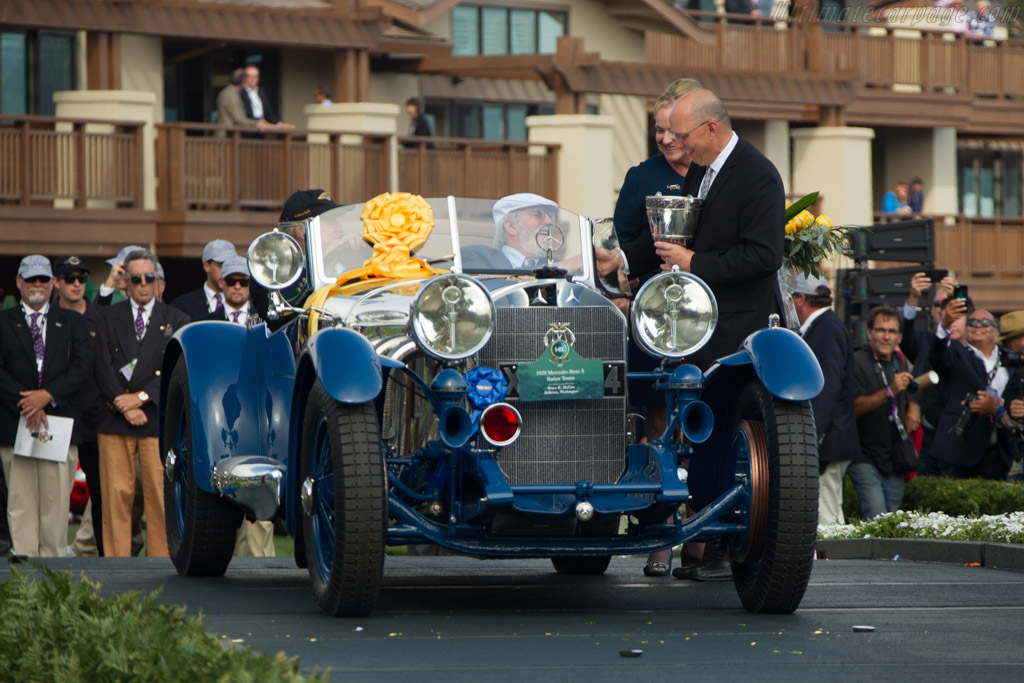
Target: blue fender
345 364
785 364
224 373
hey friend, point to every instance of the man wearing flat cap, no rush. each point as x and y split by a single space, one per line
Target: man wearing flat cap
838 443
199 303
45 361
517 218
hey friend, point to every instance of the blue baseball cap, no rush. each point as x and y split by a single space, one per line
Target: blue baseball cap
123 254
219 251
34 265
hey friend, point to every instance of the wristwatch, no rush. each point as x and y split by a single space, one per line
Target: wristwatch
143 396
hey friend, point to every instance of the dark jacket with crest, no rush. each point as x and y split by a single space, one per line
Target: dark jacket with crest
67 364
117 346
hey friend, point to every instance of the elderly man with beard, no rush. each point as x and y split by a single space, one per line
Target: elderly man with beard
45 361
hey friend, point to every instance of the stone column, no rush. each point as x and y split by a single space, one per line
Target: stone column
358 118
586 182
835 161
940 190
115 105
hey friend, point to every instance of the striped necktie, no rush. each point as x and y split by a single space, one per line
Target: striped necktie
705 184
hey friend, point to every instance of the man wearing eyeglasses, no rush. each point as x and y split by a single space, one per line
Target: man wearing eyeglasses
517 218
45 361
969 363
886 416
71 275
131 337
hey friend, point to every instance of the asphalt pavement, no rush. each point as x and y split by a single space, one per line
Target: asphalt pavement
455 618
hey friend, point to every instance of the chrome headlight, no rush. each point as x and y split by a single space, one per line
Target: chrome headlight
275 260
452 317
674 315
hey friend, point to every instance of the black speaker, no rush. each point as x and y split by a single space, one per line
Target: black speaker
912 241
875 287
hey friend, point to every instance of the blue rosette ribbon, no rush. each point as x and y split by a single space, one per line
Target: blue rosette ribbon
486 386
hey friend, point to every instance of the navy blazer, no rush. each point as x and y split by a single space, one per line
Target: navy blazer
116 346
961 371
193 304
833 407
738 247
268 112
67 364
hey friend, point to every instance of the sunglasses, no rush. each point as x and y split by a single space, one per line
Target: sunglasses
71 279
37 279
236 281
980 322
136 279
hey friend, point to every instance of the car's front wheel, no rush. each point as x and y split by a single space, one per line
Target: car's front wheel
201 526
344 508
772 567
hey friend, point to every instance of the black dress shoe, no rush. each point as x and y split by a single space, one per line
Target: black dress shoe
713 570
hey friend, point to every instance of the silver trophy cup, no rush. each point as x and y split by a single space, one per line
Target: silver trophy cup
673 219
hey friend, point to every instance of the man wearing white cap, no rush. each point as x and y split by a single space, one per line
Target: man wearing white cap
517 218
838 443
199 303
45 360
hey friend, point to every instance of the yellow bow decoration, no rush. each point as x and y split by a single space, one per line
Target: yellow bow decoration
395 224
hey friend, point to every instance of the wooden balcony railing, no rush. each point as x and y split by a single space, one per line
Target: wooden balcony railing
70 163
878 55
434 167
201 167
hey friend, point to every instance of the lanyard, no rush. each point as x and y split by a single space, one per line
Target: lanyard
894 415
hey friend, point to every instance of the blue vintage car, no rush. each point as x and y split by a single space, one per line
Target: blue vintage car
416 382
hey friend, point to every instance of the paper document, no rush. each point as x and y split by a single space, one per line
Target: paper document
49 443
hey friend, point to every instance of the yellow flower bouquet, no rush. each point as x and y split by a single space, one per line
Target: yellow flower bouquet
810 239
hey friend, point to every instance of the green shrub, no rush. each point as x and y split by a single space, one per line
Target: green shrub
55 628
955 497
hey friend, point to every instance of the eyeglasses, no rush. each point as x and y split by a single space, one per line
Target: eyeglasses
885 330
136 279
37 279
236 281
980 322
682 138
71 279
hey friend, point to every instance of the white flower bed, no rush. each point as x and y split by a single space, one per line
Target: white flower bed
986 528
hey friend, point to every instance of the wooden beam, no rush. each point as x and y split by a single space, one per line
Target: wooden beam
351 75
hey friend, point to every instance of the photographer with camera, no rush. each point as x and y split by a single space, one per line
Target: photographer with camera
885 417
980 388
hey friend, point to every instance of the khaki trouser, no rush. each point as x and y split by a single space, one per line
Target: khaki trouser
830 493
38 498
255 539
117 481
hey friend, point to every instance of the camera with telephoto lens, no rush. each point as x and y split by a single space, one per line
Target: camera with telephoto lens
967 417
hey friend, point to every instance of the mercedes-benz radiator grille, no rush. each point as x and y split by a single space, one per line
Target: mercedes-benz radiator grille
563 441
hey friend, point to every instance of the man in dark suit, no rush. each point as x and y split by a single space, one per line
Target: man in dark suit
838 443
131 337
257 104
45 361
974 368
71 275
199 303
737 248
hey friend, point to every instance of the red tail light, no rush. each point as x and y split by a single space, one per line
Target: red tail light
500 424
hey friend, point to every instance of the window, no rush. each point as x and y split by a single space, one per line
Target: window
483 120
990 181
500 30
33 66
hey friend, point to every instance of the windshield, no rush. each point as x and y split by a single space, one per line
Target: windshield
510 236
